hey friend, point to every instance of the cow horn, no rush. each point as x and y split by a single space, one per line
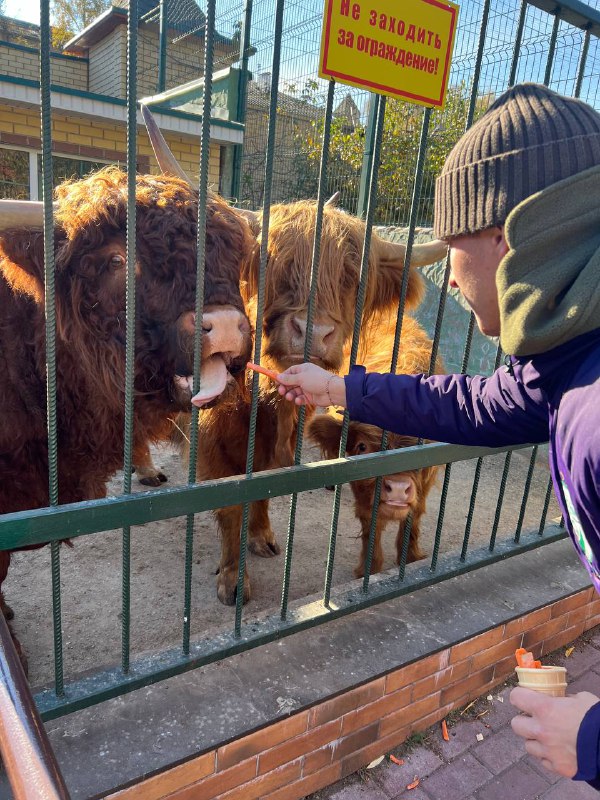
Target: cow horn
166 160
422 253
333 200
21 214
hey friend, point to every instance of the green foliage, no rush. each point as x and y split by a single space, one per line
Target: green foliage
399 151
72 16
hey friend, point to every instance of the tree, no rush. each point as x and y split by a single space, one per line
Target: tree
72 16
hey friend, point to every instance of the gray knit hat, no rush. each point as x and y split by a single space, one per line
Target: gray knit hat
529 138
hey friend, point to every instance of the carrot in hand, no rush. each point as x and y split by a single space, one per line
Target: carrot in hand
263 371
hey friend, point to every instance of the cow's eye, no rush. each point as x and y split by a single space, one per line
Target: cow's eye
117 261
361 447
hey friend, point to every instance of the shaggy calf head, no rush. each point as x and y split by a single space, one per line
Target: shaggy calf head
400 493
287 286
90 266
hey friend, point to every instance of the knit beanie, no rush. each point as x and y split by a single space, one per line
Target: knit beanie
528 139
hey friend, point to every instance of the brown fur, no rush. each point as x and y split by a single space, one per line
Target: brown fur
90 324
290 247
325 430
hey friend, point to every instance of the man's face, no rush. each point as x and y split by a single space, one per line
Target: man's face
474 260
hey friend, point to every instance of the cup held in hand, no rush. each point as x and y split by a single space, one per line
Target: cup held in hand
548 680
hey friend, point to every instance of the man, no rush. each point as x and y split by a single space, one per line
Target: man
518 202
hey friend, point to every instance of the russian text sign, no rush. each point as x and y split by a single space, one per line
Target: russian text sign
399 49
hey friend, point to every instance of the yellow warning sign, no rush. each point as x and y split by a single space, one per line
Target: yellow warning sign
398 49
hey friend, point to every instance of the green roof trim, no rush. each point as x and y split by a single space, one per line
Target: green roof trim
117 101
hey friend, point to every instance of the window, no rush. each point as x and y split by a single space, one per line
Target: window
14 174
63 168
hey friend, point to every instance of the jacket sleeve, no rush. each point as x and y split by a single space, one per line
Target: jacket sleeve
588 748
495 412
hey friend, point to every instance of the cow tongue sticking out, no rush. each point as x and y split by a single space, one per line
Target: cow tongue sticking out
213 380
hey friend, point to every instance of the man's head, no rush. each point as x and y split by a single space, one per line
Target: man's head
529 139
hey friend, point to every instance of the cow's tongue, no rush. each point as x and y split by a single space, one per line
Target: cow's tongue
213 380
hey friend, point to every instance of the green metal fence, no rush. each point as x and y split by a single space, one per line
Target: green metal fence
499 42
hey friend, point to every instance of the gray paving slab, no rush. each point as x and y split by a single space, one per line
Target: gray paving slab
566 789
499 751
517 781
460 778
394 778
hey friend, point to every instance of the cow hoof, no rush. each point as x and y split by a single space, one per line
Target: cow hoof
227 587
154 480
263 548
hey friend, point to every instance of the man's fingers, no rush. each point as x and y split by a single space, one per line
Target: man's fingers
527 700
534 748
525 727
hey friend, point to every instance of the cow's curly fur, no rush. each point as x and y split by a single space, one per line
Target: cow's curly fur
325 429
286 293
90 270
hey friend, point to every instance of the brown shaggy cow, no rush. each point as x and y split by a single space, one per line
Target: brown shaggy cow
403 492
90 322
290 246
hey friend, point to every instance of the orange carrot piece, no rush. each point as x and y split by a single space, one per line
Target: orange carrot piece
414 784
399 761
537 664
263 370
445 735
519 653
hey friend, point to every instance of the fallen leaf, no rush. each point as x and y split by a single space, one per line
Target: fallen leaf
479 737
414 784
375 762
569 650
399 761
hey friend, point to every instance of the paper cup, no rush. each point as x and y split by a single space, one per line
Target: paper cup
549 680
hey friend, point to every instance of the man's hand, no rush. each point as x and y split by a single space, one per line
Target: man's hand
551 726
308 384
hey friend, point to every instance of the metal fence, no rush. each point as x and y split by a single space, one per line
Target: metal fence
499 42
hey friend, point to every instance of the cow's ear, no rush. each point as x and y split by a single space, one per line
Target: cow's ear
325 430
22 262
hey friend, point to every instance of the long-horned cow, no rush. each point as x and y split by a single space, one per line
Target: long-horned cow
90 269
402 493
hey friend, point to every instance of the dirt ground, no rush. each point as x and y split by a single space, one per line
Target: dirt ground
91 570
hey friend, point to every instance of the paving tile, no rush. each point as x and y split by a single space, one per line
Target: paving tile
500 751
462 737
519 781
413 794
394 778
458 779
582 661
589 682
567 789
357 789
551 777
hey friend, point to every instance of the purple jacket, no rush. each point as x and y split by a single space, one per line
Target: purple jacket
555 396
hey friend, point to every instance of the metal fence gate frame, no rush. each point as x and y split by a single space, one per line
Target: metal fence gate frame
52 524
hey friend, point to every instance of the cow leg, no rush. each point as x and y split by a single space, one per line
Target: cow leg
144 467
414 551
7 610
230 523
262 539
377 560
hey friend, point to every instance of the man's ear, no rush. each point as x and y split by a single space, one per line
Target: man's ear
325 430
22 262
499 240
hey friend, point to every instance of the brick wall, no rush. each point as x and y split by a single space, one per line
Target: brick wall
320 745
108 64
94 139
24 62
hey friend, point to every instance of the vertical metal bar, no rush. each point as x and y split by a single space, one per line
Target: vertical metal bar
545 508
501 491
582 61
367 161
485 13
478 467
50 313
199 308
162 46
314 276
414 210
132 23
517 48
360 300
526 493
238 150
260 301
551 49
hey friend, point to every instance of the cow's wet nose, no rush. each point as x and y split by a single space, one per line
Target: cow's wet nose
226 331
397 490
322 335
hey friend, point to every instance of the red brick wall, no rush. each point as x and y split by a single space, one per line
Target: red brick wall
311 749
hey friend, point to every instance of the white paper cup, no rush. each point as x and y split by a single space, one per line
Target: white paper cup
548 680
